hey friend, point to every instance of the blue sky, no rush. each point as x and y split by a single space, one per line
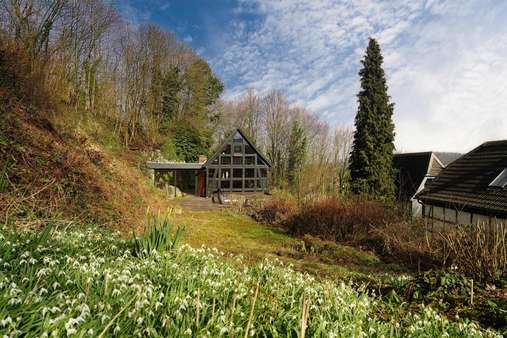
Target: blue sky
446 61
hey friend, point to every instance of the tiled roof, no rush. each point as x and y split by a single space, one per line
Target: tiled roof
465 182
411 168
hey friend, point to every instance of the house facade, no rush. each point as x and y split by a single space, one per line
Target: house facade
237 166
413 171
470 190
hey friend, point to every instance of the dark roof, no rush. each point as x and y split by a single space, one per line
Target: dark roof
465 182
411 168
174 165
228 140
447 158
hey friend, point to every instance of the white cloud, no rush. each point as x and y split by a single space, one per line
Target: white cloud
443 60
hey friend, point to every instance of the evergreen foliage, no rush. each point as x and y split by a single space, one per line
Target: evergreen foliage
190 142
297 152
203 89
371 168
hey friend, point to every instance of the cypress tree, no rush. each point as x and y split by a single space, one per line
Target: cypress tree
371 158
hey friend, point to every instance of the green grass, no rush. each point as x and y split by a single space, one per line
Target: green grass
235 233
72 282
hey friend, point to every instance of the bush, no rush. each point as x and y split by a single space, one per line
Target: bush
276 211
479 251
339 220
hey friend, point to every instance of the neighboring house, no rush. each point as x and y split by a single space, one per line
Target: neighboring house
237 166
470 190
412 171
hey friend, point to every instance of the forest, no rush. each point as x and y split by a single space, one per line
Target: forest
160 96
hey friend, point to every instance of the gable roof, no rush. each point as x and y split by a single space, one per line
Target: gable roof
228 140
447 158
412 168
465 182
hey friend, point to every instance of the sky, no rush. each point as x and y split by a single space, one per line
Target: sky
445 61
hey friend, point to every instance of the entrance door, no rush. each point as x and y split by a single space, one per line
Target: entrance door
201 183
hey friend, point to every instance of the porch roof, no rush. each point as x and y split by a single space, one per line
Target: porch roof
174 166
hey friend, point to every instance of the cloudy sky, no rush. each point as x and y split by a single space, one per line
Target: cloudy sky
446 61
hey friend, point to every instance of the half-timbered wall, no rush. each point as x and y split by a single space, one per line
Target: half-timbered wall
236 167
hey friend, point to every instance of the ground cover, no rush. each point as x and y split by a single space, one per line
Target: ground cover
88 283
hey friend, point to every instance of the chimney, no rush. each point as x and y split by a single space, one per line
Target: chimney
202 158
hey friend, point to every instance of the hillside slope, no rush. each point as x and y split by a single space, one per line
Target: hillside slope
53 168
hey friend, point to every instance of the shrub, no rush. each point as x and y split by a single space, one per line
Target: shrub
479 251
158 237
277 210
339 220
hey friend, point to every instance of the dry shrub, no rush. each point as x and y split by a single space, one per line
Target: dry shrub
334 219
276 211
479 251
404 241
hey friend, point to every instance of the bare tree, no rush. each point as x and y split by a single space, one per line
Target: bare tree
277 133
342 145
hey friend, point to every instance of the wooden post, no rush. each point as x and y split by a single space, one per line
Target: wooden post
174 179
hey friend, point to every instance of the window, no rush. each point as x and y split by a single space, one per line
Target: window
249 184
225 160
215 160
227 149
225 173
237 160
260 161
500 181
263 172
211 172
237 173
249 160
237 184
238 149
249 149
225 184
249 172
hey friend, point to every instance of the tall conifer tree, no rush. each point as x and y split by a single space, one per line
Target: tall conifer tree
371 158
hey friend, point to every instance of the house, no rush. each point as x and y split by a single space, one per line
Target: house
412 171
237 166
470 190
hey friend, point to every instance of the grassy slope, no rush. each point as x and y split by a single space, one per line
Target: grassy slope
235 233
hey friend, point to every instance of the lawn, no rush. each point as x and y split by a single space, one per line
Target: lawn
232 232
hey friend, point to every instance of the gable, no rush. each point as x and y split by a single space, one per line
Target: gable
237 146
411 169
